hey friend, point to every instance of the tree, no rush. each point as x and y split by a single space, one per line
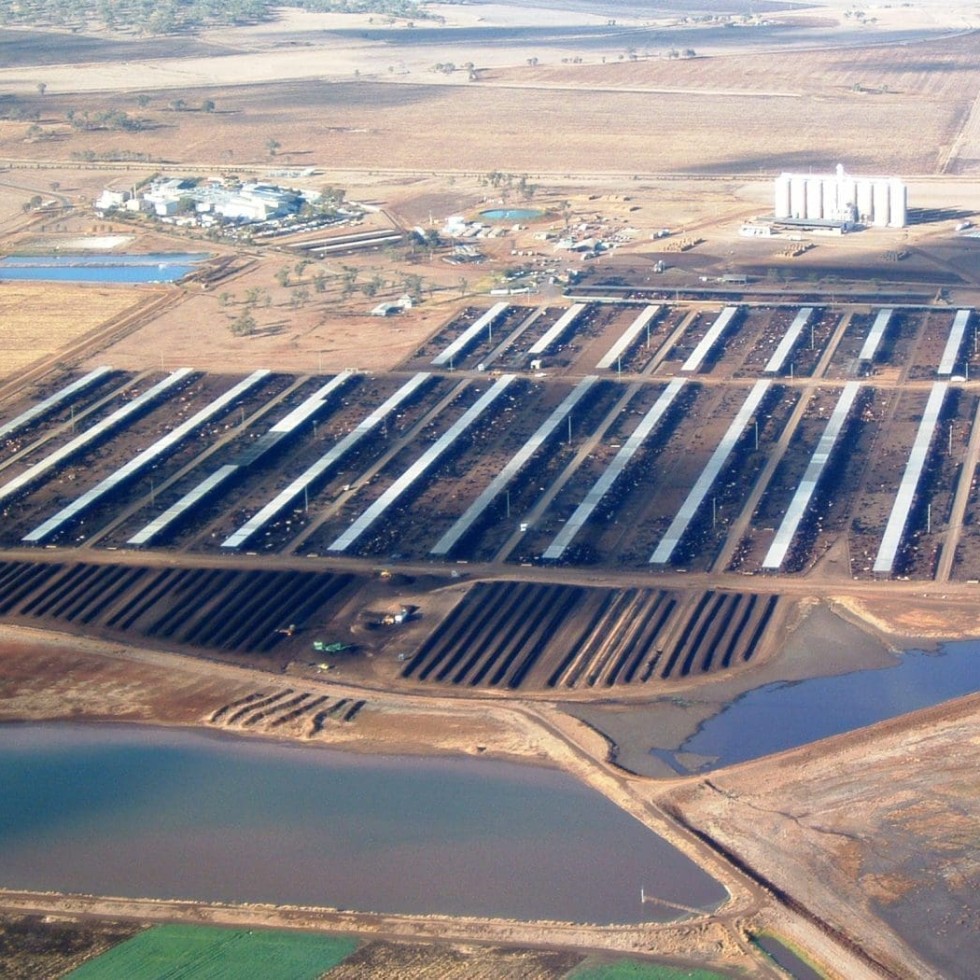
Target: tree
350 277
177 105
320 282
282 276
413 286
42 87
207 105
371 287
272 145
142 100
244 325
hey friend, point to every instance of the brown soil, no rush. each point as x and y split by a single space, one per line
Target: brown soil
33 322
883 821
35 947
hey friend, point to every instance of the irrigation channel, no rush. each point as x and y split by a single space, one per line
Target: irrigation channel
176 814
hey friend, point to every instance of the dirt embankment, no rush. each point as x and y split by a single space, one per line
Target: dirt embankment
873 833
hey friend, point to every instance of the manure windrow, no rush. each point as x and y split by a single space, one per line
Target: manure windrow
122 586
270 699
681 642
202 582
588 638
88 591
25 583
768 610
301 709
260 714
521 618
53 591
630 621
144 600
738 630
633 654
474 636
219 713
707 629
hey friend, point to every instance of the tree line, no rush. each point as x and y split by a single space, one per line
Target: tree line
183 16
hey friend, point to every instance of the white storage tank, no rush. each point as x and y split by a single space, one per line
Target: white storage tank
879 214
814 199
829 188
898 203
783 203
865 200
797 193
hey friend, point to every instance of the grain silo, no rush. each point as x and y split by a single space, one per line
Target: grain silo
828 186
898 203
865 200
835 202
881 194
783 204
814 199
847 196
798 197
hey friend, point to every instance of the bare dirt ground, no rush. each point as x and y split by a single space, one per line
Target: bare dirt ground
35 947
903 850
33 324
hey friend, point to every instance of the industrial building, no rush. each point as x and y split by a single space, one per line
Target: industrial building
841 200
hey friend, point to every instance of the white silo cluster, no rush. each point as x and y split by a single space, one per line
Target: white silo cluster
838 197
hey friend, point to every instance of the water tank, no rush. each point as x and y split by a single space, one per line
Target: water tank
783 203
814 199
879 213
797 194
898 203
865 202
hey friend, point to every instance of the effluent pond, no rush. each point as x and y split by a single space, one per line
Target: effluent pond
788 714
133 811
511 214
102 268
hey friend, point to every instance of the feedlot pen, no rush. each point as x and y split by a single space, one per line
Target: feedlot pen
510 632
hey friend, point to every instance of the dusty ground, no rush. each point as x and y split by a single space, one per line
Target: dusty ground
884 820
33 322
34 947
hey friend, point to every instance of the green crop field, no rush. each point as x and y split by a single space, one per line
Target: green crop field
179 952
636 970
